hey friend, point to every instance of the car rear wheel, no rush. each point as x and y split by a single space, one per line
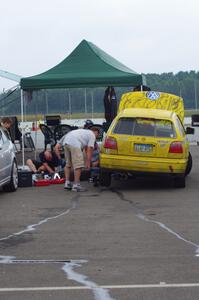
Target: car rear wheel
105 179
180 181
13 184
189 164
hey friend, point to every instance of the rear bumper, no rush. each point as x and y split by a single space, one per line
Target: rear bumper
142 165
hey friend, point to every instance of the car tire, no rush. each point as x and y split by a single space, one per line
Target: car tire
13 184
105 179
179 182
189 165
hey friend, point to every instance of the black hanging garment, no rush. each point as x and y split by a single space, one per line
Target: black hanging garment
110 104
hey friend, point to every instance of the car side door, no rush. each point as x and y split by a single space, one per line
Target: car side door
5 157
2 160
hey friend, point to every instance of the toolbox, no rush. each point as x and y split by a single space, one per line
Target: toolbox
24 178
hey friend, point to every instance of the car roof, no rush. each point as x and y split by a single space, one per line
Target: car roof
147 113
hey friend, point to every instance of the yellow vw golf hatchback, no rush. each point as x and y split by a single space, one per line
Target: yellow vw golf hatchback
144 141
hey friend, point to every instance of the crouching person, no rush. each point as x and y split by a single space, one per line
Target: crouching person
48 161
74 143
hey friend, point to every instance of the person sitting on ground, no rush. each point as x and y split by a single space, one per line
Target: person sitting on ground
48 161
95 156
75 142
6 123
95 160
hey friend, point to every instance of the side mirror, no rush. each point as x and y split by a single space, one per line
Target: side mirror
189 130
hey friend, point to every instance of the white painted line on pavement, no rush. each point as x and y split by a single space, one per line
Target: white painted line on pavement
33 226
180 237
132 286
99 292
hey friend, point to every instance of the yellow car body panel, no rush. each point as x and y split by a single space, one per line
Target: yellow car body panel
143 165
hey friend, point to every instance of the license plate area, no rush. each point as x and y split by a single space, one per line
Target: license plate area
143 148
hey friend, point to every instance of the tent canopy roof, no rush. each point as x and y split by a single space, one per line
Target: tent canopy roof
86 66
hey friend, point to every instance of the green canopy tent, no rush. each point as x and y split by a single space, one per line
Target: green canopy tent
86 66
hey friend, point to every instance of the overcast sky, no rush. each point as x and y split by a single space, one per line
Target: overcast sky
149 36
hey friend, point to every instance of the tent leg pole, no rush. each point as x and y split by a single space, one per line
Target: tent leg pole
36 123
22 128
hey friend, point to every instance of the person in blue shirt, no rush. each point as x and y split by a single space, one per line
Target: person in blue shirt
95 156
95 160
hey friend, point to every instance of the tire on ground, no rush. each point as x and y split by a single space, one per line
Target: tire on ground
189 165
13 184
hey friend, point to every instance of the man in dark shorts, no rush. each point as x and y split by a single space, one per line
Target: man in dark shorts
47 162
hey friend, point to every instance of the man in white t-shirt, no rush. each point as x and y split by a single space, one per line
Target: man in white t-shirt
74 143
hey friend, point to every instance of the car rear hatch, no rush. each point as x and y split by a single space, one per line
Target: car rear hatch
153 100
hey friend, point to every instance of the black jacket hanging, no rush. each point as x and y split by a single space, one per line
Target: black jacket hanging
110 104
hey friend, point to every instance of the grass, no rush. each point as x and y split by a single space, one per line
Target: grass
31 118
189 113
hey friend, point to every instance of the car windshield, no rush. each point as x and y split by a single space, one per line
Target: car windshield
145 127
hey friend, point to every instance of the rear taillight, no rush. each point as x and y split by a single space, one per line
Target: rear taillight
110 143
176 147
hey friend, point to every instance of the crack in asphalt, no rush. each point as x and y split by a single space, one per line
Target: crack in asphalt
139 213
32 227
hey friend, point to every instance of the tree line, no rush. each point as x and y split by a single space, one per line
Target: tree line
69 101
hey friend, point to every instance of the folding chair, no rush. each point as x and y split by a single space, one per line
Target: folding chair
61 130
48 136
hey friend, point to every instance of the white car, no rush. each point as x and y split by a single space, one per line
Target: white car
8 164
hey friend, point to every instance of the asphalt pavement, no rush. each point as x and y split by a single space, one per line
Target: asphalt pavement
137 239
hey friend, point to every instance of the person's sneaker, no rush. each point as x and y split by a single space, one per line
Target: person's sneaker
67 186
78 188
34 177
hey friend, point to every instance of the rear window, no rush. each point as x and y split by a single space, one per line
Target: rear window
164 128
145 127
124 126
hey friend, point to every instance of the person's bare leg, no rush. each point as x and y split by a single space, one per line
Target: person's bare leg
31 165
76 185
77 174
67 171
